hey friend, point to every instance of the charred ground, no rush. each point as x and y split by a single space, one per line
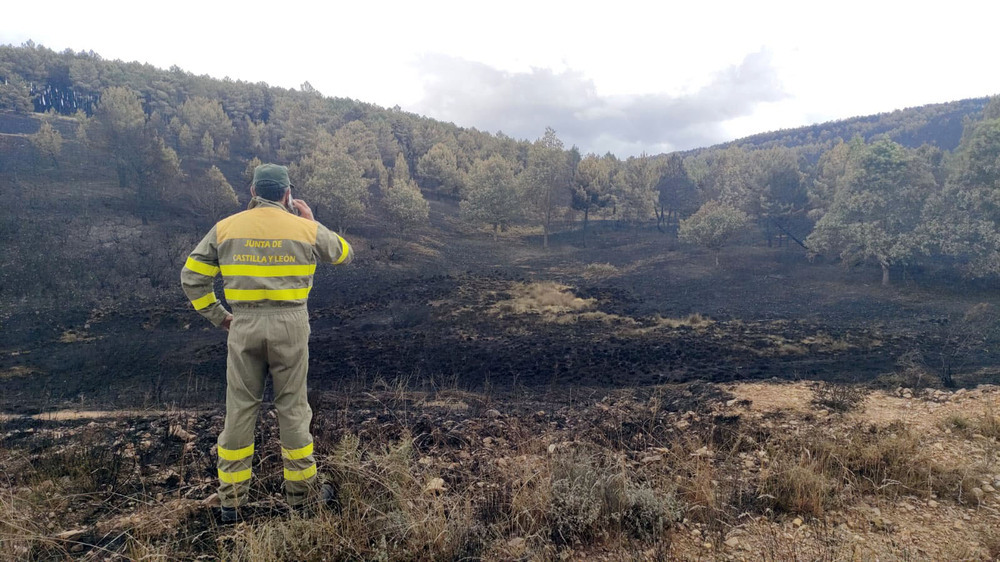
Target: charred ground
476 315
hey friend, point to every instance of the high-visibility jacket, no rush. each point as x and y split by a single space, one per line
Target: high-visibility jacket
267 257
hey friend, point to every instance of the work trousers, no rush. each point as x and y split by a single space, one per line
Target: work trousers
263 340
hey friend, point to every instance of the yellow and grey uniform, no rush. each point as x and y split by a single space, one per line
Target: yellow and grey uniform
267 257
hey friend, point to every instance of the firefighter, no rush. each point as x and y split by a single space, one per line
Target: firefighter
267 256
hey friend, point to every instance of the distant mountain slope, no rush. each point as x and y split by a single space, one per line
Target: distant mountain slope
937 124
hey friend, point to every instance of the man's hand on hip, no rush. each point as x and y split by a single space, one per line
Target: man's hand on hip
227 322
304 210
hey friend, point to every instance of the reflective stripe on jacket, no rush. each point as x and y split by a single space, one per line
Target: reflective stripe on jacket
267 257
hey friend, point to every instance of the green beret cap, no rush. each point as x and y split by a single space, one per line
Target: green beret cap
270 174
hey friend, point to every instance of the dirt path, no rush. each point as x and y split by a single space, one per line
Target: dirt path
63 415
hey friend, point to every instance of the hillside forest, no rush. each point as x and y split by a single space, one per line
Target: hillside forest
179 148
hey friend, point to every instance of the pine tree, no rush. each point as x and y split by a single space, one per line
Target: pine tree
215 197
677 193
202 129
250 167
439 169
634 188
592 186
14 93
48 142
404 203
333 184
545 180
492 197
119 129
963 221
358 142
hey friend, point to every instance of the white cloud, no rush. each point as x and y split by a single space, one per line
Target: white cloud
522 104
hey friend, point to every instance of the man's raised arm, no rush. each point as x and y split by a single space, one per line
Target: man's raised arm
331 247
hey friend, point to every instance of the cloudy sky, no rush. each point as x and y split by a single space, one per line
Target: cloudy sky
623 75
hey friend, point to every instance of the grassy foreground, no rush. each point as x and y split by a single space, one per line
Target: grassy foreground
712 472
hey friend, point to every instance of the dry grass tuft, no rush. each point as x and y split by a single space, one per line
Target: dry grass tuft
799 485
722 476
957 422
385 512
879 461
21 529
841 398
598 316
989 537
986 424
989 425
153 521
695 321
17 371
595 271
825 342
74 336
544 298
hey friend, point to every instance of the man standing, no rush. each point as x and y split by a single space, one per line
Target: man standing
267 257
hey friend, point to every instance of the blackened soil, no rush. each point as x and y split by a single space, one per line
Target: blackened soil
449 328
770 314
104 476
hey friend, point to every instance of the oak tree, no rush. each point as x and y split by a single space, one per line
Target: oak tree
877 214
713 225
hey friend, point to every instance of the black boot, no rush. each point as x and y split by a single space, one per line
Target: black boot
229 515
328 497
325 499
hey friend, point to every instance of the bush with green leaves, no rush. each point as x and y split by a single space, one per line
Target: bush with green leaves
712 226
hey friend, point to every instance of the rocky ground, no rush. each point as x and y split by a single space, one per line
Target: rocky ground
954 432
698 471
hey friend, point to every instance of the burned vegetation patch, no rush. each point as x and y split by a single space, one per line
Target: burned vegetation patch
488 332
